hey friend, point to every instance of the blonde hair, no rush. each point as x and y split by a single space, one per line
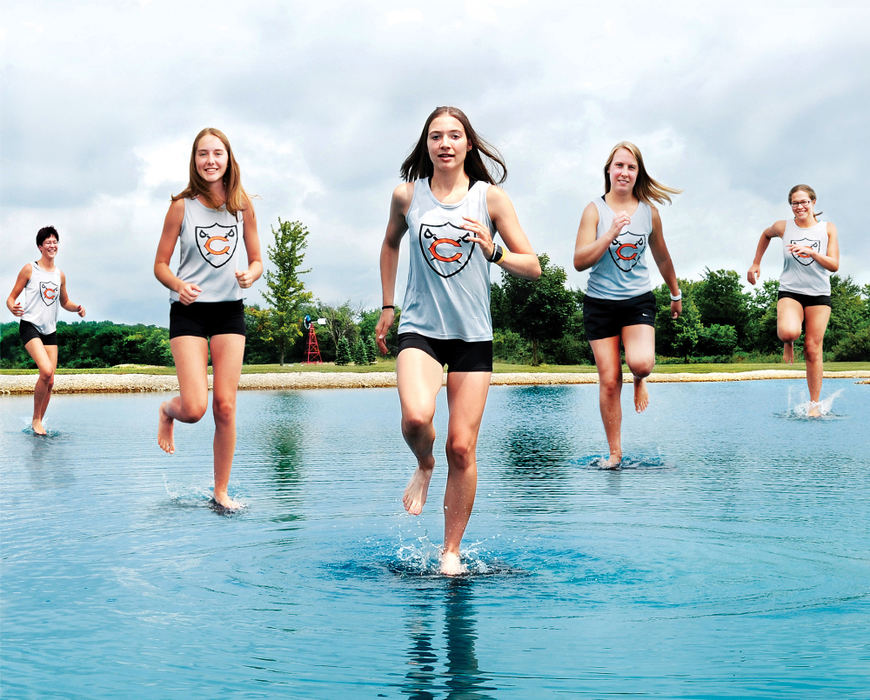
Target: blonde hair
646 189
237 199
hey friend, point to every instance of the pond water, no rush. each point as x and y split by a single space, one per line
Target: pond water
731 557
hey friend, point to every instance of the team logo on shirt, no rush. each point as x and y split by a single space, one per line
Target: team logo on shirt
48 292
626 250
446 247
217 243
804 258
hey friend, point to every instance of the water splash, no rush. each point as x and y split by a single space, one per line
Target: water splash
199 497
628 462
804 409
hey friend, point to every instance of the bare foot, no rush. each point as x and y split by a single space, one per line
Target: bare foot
222 500
165 429
416 491
788 352
613 461
641 395
451 564
37 426
814 411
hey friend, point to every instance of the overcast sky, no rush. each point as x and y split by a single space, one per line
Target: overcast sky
733 103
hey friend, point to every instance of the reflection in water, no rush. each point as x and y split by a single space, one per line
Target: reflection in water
48 465
461 677
286 449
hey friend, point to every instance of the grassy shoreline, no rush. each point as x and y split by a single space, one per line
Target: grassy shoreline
498 368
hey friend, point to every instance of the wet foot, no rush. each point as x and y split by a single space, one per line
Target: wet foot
165 428
222 502
451 564
613 462
788 352
38 428
815 410
416 491
641 395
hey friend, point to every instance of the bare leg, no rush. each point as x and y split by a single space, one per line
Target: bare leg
606 351
191 365
45 357
816 321
419 378
640 343
789 318
227 353
466 399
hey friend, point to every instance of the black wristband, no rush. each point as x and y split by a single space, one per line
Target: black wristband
388 306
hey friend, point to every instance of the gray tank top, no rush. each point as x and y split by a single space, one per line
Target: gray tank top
447 295
622 271
42 299
804 275
209 247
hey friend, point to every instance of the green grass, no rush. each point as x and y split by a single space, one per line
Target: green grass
389 365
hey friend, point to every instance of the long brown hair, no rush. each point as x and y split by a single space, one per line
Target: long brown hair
811 192
418 164
237 198
646 189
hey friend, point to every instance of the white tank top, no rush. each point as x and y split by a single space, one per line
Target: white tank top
447 295
209 248
622 271
803 275
42 298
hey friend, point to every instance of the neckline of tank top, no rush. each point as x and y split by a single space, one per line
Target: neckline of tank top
639 202
221 209
43 269
471 183
807 228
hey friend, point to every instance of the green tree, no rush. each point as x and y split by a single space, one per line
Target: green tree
539 309
285 290
360 354
677 337
342 352
721 301
340 323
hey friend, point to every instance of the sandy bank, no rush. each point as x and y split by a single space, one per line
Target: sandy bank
132 383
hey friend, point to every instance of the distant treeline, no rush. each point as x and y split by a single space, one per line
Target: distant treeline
533 322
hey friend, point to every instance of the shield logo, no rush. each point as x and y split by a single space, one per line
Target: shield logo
803 258
626 250
48 292
445 247
217 243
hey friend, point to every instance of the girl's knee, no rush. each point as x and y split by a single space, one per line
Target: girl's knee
224 409
460 452
192 411
788 334
414 422
642 368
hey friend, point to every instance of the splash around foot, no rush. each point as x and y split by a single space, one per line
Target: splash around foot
451 564
37 427
165 430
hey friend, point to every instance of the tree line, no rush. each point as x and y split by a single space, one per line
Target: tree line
534 322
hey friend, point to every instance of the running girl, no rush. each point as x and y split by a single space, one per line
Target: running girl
614 234
810 254
450 205
210 219
44 287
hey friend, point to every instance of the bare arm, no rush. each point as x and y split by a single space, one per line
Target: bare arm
64 299
775 230
396 227
252 247
831 261
20 283
659 250
519 258
588 249
187 293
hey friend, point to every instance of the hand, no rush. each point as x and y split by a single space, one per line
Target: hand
620 221
800 251
676 309
753 274
18 309
244 278
81 311
188 293
384 323
482 236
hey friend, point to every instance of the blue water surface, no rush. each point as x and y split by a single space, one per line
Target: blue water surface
730 557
